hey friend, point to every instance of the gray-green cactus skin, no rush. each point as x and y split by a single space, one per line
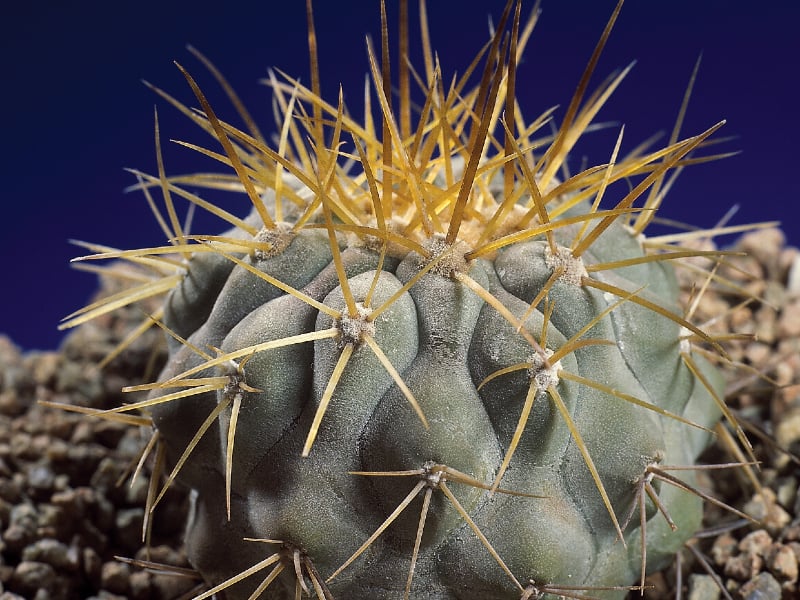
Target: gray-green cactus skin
445 341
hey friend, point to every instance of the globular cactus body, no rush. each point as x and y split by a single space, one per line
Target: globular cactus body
444 340
431 370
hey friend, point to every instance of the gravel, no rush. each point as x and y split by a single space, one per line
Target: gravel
65 510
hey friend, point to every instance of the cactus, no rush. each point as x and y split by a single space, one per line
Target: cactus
424 366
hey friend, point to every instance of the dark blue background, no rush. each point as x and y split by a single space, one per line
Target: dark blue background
74 112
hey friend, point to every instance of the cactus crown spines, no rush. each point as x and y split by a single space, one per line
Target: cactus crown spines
450 245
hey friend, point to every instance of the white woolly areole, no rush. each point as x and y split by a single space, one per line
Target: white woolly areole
352 329
574 271
432 478
543 375
275 240
453 262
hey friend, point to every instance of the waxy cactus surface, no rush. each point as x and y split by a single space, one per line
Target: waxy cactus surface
472 375
426 366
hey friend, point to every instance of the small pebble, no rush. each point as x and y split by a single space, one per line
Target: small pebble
703 587
789 322
724 547
782 562
793 283
764 244
10 490
56 554
139 583
114 577
92 565
756 542
743 566
30 576
787 492
764 508
761 587
41 478
106 595
128 528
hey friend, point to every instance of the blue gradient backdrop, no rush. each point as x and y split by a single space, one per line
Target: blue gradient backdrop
74 112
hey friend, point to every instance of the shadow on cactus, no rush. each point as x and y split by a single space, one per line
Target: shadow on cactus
430 363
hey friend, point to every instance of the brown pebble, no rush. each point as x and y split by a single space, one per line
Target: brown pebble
83 433
108 433
56 554
22 447
795 547
57 450
5 513
164 555
6 571
22 530
30 576
10 490
786 492
12 404
758 353
106 595
724 547
742 320
44 367
167 587
114 577
756 542
128 528
703 587
92 565
136 490
761 587
744 566
16 538
139 584
764 508
766 318
763 244
790 395
107 475
788 430
9 351
792 264
782 562
789 322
